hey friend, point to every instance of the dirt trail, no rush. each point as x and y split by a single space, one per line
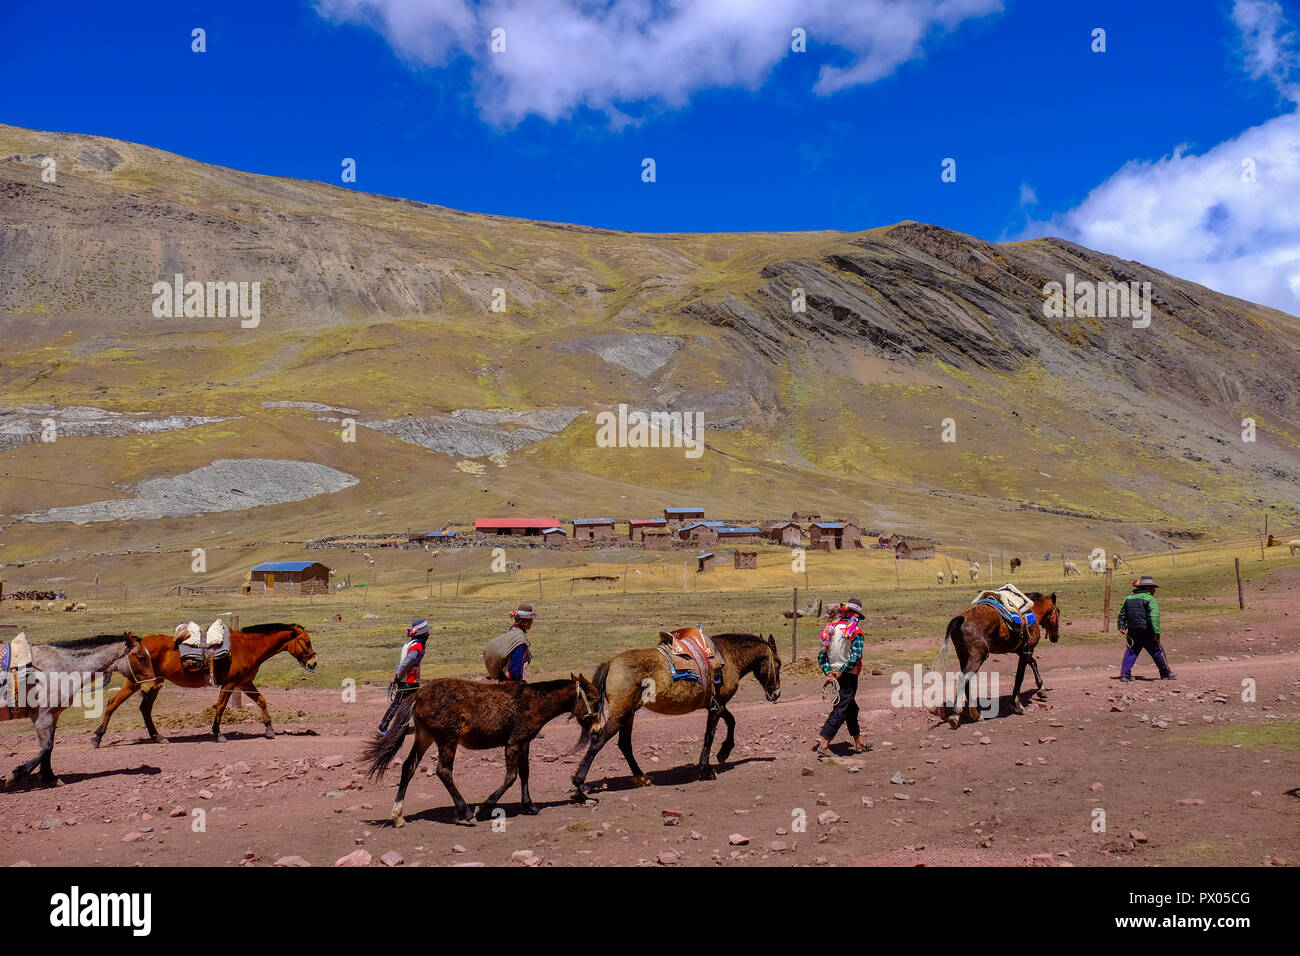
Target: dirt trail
1184 771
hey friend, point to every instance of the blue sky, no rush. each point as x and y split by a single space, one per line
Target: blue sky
746 135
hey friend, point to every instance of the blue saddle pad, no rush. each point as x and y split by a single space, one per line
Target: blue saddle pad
1015 620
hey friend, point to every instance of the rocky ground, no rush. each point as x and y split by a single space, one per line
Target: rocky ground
1101 773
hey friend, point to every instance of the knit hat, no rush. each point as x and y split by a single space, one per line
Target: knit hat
418 628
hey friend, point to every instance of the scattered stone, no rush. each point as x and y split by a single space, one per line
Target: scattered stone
827 818
392 858
668 857
522 856
1138 836
738 839
291 861
1097 788
671 818
355 858
327 763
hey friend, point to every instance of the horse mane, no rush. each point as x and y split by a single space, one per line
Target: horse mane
741 638
86 643
266 628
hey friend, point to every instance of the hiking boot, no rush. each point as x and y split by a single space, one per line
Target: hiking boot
1169 675
1126 677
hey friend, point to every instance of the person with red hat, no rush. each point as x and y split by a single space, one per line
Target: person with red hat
1139 622
841 661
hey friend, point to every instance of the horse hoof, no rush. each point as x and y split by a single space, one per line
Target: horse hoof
708 773
530 809
221 739
582 798
643 781
399 822
10 780
954 721
1019 707
269 734
159 739
96 740
1039 695
465 821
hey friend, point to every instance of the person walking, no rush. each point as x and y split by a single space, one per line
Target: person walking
1139 622
840 659
407 679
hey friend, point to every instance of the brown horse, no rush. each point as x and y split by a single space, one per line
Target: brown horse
479 715
640 678
64 672
249 650
981 631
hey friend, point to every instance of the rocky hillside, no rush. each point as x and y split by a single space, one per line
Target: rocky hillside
473 353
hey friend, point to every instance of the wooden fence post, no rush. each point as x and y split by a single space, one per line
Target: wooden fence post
1105 613
794 629
1241 598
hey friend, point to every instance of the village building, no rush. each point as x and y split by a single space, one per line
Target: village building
639 526
514 526
703 534
851 536
826 535
746 560
679 515
439 537
705 562
913 549
737 535
657 540
785 532
806 516
593 529
554 536
289 577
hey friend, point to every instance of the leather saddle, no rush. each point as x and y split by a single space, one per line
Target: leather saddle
205 653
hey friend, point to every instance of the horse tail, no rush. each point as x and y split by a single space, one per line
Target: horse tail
379 753
600 679
940 662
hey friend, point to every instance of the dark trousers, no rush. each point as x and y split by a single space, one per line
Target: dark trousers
845 710
1139 642
403 691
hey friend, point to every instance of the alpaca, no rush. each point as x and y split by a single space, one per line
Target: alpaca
1069 567
974 571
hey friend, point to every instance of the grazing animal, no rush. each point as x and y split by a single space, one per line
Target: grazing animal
974 571
479 715
1069 567
1097 566
68 663
980 631
1294 545
954 577
640 678
249 650
941 577
1015 565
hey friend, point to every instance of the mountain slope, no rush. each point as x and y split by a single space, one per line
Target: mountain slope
383 308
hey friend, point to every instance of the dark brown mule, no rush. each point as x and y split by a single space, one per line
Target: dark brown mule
249 650
980 631
640 678
479 715
67 674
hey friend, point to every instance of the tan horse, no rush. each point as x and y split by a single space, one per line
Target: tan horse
1294 545
641 678
249 650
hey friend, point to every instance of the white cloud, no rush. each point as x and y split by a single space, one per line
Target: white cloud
1198 216
612 57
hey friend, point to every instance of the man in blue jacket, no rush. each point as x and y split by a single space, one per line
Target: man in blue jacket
1139 622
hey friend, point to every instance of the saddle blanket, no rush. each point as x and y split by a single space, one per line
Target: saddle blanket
1011 603
690 654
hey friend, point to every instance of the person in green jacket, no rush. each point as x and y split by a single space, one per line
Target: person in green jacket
1139 622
